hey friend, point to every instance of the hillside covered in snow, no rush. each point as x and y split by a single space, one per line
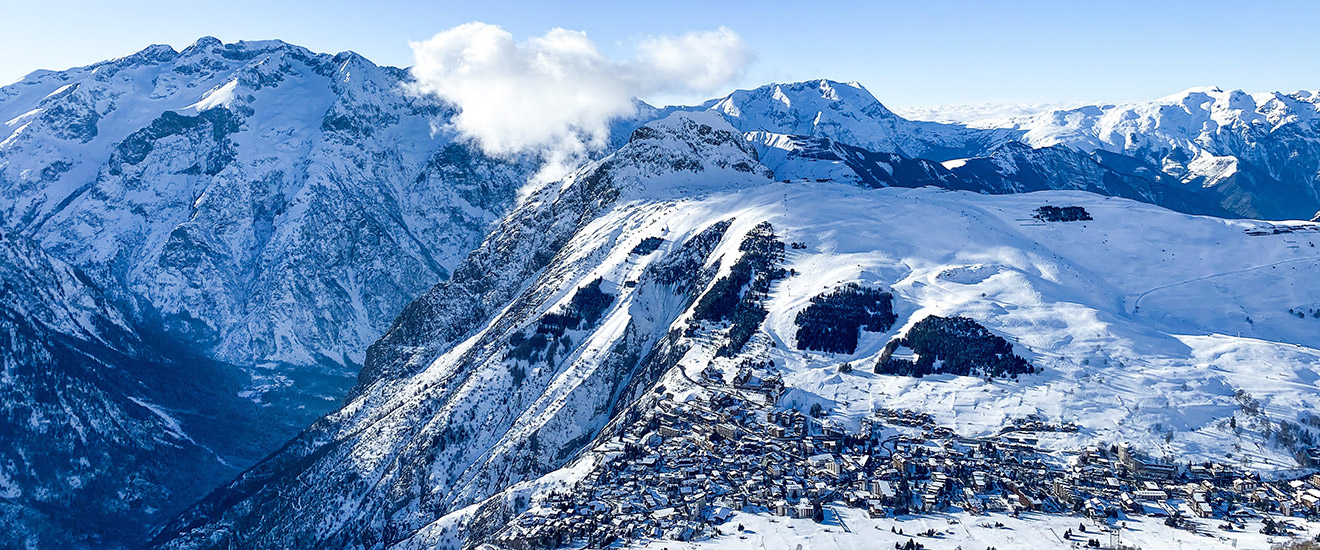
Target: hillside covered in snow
678 259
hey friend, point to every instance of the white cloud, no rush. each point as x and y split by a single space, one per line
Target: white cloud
556 94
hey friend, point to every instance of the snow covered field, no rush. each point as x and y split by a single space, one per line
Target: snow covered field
848 529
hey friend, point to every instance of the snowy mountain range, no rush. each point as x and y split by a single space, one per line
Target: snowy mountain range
240 196
1257 153
207 245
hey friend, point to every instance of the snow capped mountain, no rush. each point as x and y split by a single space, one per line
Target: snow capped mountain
454 413
1248 155
261 203
673 266
1257 154
849 114
201 246
255 211
1018 168
1012 167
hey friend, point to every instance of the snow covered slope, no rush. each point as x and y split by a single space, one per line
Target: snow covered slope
257 202
261 213
607 293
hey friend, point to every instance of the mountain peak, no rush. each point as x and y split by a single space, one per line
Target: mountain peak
203 44
847 113
1189 92
849 94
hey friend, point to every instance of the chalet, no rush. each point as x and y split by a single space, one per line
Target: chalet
1096 508
1309 500
875 509
1200 505
979 481
1020 498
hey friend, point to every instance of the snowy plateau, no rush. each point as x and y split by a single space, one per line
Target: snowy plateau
260 297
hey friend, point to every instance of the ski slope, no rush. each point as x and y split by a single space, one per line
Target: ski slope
1144 320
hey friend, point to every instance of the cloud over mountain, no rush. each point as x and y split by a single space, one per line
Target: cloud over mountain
557 92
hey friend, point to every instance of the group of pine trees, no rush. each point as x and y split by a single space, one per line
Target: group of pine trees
832 321
584 309
1062 214
736 297
960 345
647 246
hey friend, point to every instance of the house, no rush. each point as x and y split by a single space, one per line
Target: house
979 481
826 464
1020 497
875 509
883 490
804 510
728 431
1200 505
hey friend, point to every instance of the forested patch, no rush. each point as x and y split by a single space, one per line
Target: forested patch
833 321
583 311
647 246
960 345
1062 214
686 265
737 297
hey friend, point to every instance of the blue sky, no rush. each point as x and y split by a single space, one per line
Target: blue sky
906 53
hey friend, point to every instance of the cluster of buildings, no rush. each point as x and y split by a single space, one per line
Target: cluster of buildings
682 469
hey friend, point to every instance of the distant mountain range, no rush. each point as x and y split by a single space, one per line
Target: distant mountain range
214 246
